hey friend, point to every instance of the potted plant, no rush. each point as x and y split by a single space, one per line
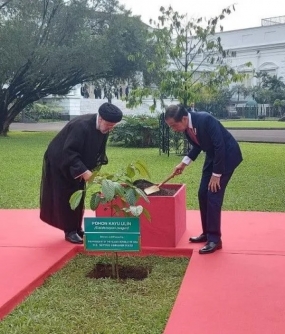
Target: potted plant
117 192
162 217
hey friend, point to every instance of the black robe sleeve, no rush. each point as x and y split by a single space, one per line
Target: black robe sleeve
72 151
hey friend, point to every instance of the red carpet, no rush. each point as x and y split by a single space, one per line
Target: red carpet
238 290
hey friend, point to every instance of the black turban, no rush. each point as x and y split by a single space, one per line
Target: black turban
110 113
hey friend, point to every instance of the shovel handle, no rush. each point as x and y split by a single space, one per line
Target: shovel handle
167 179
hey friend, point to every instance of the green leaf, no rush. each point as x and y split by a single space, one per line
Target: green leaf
130 195
119 189
108 189
93 188
141 167
146 214
95 201
142 194
75 199
131 171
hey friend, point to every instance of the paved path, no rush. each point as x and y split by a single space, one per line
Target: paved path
49 126
256 135
260 135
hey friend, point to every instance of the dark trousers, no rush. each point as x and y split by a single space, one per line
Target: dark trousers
75 224
211 205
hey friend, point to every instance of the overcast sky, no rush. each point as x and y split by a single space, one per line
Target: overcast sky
248 13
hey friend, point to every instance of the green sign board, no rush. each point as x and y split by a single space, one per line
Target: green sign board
115 234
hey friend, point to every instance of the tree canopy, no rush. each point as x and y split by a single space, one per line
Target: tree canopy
269 88
49 46
189 56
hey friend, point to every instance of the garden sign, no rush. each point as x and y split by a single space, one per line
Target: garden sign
117 234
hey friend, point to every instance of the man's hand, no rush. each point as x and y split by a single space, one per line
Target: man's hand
214 184
86 176
179 168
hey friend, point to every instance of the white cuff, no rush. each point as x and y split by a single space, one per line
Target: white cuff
80 175
186 160
217 175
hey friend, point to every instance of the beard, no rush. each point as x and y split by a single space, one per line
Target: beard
104 131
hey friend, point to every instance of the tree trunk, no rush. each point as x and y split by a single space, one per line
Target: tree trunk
7 115
6 118
3 126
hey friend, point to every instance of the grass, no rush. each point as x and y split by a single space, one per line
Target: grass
257 124
257 184
68 302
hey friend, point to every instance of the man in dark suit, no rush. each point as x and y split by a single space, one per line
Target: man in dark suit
223 155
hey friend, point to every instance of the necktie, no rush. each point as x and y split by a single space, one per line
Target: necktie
192 135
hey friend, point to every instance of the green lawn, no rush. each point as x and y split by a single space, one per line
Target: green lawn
257 185
70 303
258 124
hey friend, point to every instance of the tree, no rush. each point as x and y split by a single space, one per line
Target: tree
214 101
188 57
280 104
271 82
3 3
49 46
126 36
240 90
269 89
262 95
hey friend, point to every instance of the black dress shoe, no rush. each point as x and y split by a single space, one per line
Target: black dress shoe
73 237
80 233
201 238
210 247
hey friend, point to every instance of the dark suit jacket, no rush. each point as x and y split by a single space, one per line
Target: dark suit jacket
222 150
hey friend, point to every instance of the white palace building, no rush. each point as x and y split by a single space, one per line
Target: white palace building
263 46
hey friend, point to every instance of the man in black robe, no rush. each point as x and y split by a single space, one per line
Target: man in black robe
76 150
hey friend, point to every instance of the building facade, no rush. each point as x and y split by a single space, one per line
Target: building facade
263 47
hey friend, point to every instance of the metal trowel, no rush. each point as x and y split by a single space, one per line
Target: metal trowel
156 188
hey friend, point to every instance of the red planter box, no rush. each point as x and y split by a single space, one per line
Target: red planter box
168 218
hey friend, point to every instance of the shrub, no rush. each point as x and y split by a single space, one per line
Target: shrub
38 110
137 131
